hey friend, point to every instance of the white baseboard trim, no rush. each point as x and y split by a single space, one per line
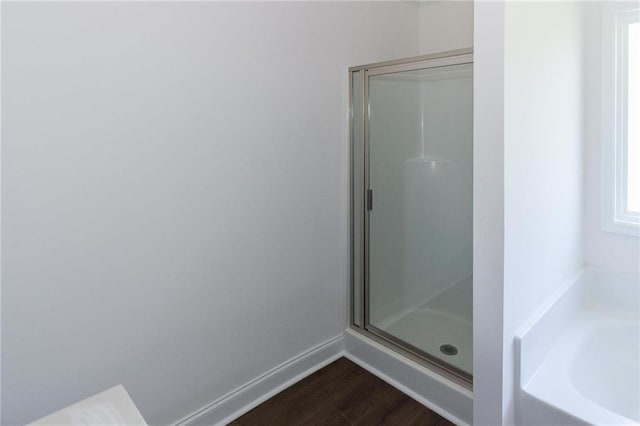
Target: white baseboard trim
248 396
448 399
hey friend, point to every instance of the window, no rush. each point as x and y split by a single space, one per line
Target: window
621 119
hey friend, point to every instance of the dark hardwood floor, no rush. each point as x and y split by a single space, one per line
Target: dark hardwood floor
341 394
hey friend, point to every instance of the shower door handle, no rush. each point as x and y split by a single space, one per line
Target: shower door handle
369 199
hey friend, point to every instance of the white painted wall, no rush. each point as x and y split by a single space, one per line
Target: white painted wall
445 25
615 252
174 193
543 155
488 212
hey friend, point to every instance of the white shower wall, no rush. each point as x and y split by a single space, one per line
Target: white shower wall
425 165
395 116
443 202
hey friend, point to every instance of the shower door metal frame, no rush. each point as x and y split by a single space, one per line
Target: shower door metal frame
442 59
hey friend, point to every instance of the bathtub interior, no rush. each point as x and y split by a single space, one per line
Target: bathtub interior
609 358
579 360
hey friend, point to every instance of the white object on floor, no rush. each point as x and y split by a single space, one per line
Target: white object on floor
112 407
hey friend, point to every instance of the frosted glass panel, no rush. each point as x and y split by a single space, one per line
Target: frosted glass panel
420 243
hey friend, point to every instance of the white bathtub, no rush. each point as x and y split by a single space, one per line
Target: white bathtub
579 361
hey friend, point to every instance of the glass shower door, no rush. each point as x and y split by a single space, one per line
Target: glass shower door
418 220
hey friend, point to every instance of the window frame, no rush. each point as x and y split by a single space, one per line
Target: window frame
615 216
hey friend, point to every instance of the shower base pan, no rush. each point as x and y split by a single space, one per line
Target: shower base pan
441 334
441 326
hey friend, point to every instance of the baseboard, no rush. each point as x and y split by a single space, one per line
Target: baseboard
248 396
448 399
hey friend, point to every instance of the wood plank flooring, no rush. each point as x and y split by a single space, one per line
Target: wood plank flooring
341 394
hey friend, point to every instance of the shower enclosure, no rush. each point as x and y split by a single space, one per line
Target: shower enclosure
411 207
